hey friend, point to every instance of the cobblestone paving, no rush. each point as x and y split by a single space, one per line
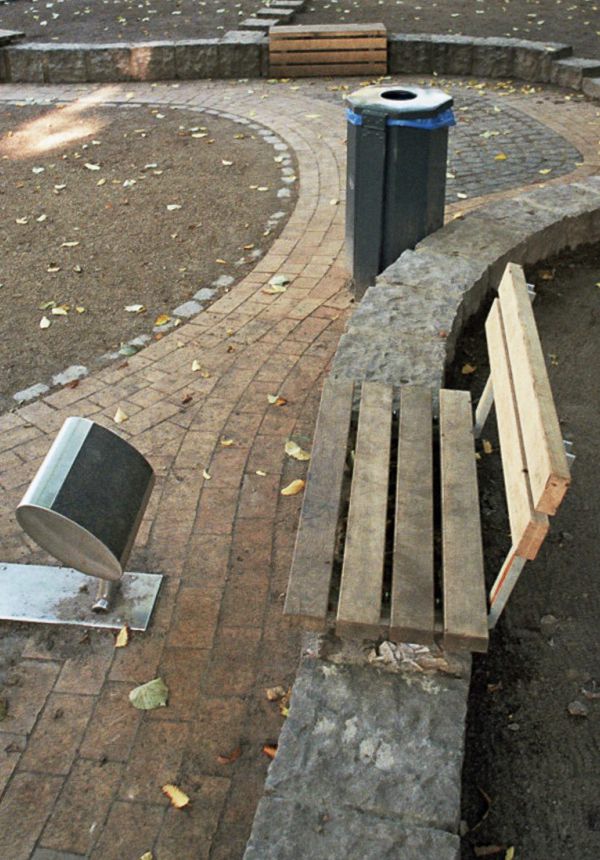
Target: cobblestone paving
80 770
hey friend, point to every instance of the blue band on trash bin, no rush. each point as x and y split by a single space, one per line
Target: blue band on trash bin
440 120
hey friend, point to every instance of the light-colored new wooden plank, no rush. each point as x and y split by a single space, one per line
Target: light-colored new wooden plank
528 527
341 43
412 612
310 577
327 57
359 603
544 451
324 69
295 31
465 613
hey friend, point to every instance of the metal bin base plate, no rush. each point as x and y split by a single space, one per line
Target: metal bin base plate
61 595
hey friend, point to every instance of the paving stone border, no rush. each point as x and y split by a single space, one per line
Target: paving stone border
244 53
363 752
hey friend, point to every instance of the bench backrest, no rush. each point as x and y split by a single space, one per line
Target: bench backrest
303 50
536 471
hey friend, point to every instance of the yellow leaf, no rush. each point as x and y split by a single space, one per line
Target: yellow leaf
487 446
510 853
270 751
162 319
226 443
178 798
221 261
80 309
274 694
122 640
92 166
69 244
53 268
294 488
276 400
545 171
467 369
292 449
120 416
274 290
206 475
44 322
502 156
60 310
261 473
135 309
147 856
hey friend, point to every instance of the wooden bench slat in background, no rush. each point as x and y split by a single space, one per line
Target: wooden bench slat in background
465 609
310 578
528 527
334 49
364 553
547 465
412 606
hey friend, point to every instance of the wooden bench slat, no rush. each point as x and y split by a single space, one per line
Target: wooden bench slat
310 577
528 527
547 465
347 43
333 71
326 58
465 612
295 31
412 613
359 603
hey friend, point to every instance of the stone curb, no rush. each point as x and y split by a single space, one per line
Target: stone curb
362 752
244 54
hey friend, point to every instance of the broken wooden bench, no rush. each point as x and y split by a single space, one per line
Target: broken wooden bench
389 541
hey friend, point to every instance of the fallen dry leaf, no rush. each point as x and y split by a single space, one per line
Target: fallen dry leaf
91 166
276 400
502 156
487 446
510 853
270 751
178 798
60 310
294 488
273 290
467 369
229 758
292 449
187 398
44 322
147 697
261 473
206 475
162 319
134 309
123 636
147 856
120 416
274 694
226 443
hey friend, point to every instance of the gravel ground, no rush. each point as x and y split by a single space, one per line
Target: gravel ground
109 208
530 778
576 23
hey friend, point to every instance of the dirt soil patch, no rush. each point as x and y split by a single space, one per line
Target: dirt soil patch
531 776
109 208
127 20
577 23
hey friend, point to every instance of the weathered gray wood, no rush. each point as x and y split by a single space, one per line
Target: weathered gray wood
310 577
359 606
412 612
465 612
528 527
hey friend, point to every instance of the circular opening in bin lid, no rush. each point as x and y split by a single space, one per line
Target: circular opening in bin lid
398 95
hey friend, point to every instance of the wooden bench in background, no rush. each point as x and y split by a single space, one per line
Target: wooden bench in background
330 49
389 541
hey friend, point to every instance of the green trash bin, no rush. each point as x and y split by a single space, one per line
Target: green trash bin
396 174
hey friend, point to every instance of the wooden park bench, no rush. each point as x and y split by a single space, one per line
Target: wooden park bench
389 541
301 51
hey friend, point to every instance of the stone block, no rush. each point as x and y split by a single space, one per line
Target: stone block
452 55
263 25
296 5
409 53
405 309
108 63
493 58
591 87
533 60
25 64
152 61
65 64
283 14
8 36
286 828
197 59
4 72
240 57
377 357
570 73
386 744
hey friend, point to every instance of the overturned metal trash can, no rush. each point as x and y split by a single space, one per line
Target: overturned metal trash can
84 506
396 174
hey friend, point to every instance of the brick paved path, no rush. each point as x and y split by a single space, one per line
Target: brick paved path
80 769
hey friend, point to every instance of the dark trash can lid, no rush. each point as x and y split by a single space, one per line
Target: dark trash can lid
402 105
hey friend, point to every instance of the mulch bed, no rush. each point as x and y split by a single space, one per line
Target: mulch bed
530 778
576 23
132 206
